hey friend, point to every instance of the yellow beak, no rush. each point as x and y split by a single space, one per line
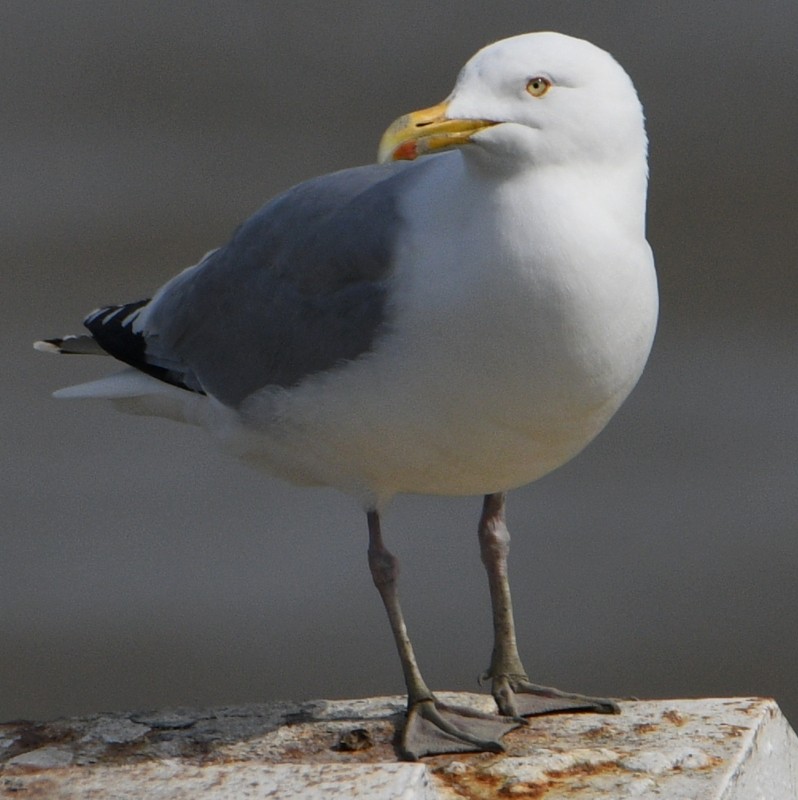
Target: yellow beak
426 131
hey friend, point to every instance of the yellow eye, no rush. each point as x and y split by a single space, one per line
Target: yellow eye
538 86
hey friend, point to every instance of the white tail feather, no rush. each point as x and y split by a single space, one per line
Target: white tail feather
128 383
134 392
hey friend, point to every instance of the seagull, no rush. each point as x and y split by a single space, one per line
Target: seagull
461 318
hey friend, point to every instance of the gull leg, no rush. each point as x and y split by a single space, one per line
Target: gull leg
431 727
514 694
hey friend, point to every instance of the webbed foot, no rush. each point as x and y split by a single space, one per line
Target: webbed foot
516 697
433 729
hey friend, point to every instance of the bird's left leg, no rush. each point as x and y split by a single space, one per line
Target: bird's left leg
515 695
431 727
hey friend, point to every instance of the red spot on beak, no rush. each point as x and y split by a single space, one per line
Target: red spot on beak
407 151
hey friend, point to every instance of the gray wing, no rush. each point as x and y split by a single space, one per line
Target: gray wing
301 288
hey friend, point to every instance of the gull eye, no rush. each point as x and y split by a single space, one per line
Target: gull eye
538 86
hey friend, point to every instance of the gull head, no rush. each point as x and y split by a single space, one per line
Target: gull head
534 99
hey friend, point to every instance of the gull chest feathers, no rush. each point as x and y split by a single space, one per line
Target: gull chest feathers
521 339
537 274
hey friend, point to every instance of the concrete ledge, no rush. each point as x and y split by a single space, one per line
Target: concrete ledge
718 749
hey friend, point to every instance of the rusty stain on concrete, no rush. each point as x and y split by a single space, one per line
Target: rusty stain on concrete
674 717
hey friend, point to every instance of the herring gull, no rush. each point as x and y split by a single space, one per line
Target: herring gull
459 319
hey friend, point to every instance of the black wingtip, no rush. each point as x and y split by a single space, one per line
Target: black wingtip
114 329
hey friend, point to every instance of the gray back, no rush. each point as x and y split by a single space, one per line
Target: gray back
300 288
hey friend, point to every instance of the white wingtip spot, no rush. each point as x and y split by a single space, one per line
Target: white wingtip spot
46 347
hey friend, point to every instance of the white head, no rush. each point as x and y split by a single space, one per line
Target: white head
534 99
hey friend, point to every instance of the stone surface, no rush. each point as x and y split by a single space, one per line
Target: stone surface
716 749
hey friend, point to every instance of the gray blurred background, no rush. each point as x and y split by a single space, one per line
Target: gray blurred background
141 568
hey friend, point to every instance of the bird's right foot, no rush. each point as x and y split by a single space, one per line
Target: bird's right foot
433 728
